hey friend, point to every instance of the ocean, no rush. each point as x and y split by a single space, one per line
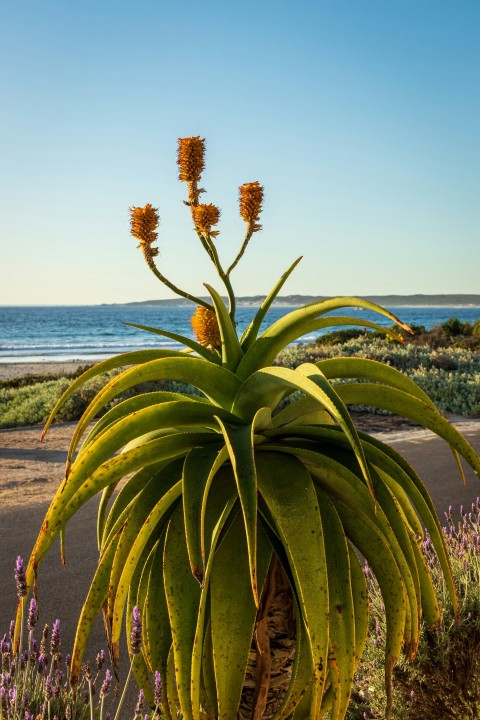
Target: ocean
61 333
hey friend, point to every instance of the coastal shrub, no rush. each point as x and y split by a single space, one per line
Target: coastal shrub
443 680
450 376
31 404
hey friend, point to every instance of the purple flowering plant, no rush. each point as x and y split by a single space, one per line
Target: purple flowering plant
35 676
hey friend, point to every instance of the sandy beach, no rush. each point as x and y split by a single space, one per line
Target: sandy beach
12 371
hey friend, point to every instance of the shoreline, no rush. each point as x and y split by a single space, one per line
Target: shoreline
43 369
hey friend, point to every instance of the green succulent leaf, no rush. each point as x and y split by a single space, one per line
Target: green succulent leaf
240 446
292 326
136 357
250 334
231 350
182 339
183 597
233 613
293 504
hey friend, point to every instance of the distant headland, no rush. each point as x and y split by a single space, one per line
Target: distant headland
418 300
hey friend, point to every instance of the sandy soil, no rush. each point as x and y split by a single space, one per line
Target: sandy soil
11 371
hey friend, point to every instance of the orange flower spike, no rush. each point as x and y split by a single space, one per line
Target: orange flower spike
191 158
205 326
251 199
204 217
143 226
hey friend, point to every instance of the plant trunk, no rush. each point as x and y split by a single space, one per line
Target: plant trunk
273 649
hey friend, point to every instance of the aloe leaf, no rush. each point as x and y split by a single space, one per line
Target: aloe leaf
341 483
218 383
293 504
402 403
196 472
353 367
292 326
265 387
415 489
239 443
102 512
208 669
371 543
136 597
120 506
360 600
250 334
131 358
219 511
139 509
231 351
183 340
220 460
180 414
183 596
91 607
302 411
342 620
132 405
233 612
171 688
156 618
61 509
142 540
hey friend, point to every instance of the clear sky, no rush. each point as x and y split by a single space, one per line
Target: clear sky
360 117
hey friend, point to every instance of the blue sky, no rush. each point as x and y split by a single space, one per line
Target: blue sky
361 119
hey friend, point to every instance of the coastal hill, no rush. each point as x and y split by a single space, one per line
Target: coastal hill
459 300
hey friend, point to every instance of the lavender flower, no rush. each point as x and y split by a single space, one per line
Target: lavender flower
29 716
48 688
107 683
68 659
140 702
42 663
55 639
43 641
12 628
157 689
4 644
32 615
136 633
20 578
100 659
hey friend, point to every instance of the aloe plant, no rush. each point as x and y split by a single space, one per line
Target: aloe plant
238 516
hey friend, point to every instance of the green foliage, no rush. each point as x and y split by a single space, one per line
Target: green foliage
31 404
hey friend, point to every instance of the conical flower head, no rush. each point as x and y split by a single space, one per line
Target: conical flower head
204 217
205 326
251 199
143 226
191 158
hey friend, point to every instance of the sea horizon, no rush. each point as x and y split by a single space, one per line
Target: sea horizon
63 333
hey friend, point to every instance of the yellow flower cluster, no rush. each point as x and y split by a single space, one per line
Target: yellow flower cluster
205 326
